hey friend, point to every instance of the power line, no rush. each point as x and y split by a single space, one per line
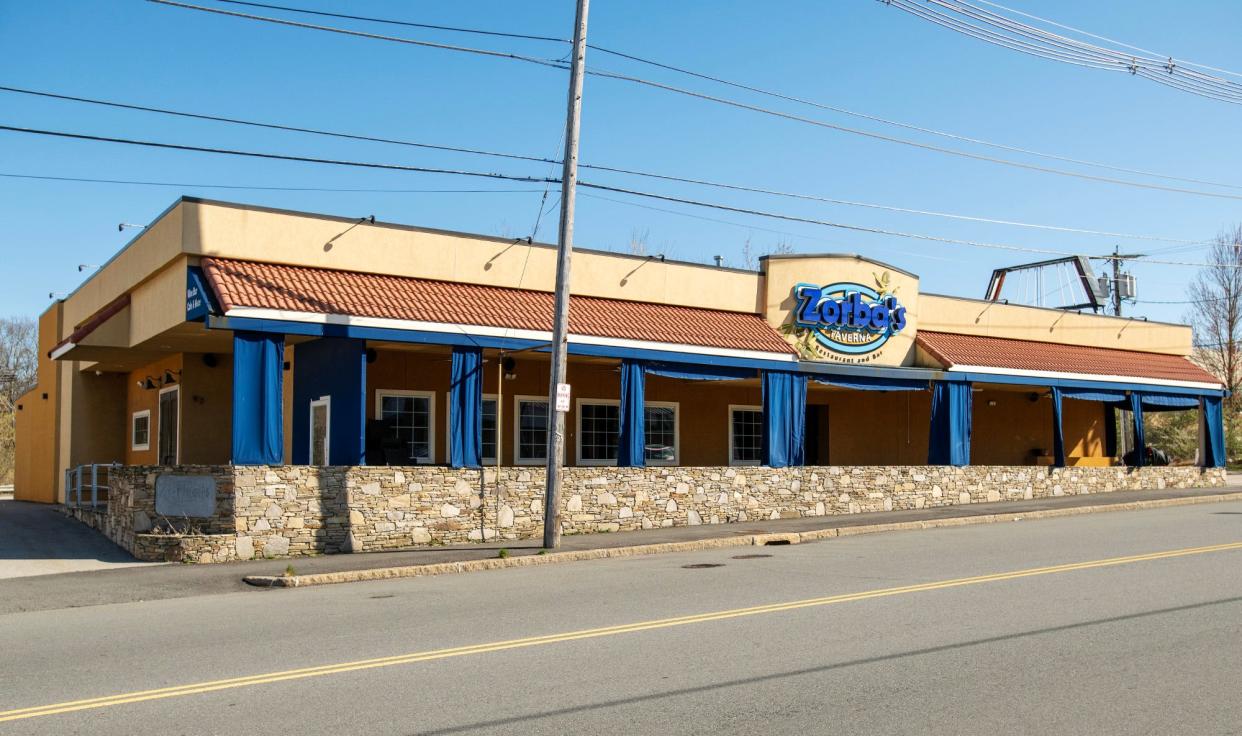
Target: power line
721 100
985 25
751 88
361 34
1101 38
199 185
274 156
410 24
602 187
554 162
270 126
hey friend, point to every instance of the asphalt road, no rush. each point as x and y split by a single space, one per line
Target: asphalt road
1026 627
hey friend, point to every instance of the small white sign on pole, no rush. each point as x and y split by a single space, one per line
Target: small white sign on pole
562 397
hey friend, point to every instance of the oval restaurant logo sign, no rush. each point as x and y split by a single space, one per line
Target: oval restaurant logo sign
846 318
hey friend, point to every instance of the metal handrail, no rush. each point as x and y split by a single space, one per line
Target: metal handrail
74 484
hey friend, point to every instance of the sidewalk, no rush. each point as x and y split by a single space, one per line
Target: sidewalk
178 581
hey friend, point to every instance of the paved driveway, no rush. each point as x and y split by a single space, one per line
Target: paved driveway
36 539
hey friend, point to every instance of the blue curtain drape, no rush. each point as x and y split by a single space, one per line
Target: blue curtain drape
633 431
784 418
1058 435
258 398
696 372
466 408
868 383
1140 442
1169 402
1213 433
1092 394
949 441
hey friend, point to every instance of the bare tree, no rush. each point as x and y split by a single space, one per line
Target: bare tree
638 242
18 364
1217 322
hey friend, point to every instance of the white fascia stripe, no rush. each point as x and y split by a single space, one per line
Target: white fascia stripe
1082 376
501 332
58 352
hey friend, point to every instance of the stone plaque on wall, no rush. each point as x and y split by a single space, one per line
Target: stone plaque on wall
185 495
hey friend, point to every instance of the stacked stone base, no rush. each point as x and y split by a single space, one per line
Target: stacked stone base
289 511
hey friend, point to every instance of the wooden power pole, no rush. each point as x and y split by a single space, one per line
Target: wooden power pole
564 249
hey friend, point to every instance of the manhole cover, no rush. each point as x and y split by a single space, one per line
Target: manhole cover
702 565
749 557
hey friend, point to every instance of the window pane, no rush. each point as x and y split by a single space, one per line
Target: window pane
532 430
168 428
599 426
489 429
660 436
747 428
142 430
411 421
319 434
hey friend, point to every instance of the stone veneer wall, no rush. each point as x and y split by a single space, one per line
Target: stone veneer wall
277 511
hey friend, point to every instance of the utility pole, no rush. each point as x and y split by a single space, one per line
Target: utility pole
1117 257
1116 281
564 249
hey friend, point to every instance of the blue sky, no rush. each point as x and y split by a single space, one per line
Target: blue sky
857 54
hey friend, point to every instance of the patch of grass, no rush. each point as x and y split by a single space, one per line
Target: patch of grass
503 553
289 571
542 552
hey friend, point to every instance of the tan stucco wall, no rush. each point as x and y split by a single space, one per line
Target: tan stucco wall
252 234
1018 428
144 399
39 472
206 410
993 319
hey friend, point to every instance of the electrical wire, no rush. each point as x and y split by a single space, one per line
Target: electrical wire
1102 38
724 101
274 156
749 88
985 25
613 169
584 184
248 187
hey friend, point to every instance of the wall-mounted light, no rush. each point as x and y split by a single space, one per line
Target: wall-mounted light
170 376
509 366
991 402
148 384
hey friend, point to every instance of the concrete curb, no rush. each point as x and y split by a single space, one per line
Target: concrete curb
739 540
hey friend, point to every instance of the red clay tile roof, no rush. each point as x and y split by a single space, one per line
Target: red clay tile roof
324 291
998 352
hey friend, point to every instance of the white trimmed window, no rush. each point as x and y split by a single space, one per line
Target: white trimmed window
140 430
530 430
412 418
599 430
745 435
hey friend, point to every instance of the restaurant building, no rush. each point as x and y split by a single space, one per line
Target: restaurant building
226 336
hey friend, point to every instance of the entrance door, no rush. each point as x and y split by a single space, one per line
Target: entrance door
815 441
320 418
170 425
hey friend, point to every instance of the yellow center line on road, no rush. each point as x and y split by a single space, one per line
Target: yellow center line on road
413 657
